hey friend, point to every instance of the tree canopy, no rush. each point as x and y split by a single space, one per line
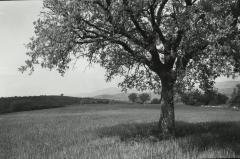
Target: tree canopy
138 39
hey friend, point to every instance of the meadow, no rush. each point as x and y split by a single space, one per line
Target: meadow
118 131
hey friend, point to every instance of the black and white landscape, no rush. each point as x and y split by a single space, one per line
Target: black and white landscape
119 79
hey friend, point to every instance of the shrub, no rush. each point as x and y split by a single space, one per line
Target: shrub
197 98
235 98
194 97
155 101
218 99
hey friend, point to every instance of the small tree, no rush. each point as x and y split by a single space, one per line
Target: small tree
133 97
144 97
235 98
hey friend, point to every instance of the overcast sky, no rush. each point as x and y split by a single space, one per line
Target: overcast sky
16 28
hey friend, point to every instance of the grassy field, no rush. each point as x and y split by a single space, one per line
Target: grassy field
118 132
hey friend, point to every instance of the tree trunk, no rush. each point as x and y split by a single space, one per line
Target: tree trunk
167 117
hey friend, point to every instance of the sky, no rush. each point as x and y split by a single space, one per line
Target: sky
16 28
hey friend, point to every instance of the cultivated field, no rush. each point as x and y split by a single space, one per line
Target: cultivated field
118 131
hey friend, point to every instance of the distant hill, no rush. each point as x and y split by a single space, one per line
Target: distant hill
118 96
106 91
226 87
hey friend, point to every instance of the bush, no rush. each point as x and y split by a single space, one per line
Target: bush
218 99
235 98
194 97
155 101
198 98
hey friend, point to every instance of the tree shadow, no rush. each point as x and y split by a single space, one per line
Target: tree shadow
198 136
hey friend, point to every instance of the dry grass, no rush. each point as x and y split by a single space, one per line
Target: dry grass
118 131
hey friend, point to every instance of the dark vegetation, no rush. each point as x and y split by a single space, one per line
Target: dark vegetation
144 97
235 98
155 101
133 97
197 98
16 104
139 98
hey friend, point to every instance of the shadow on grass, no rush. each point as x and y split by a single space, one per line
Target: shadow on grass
198 136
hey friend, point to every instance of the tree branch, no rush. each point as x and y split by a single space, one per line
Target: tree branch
134 20
155 26
184 60
134 54
178 39
160 10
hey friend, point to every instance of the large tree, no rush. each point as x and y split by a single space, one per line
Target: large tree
153 44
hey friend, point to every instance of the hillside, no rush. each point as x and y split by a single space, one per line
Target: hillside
107 91
118 96
226 87
16 104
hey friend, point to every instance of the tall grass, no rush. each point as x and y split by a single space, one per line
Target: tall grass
118 132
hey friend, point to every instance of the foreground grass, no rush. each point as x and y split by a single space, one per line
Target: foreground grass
118 131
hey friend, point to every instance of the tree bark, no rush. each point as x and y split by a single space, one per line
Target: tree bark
167 117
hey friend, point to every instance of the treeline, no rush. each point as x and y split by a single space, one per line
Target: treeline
141 98
214 98
15 104
197 98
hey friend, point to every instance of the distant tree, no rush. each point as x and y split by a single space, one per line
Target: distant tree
235 97
155 101
152 44
133 97
62 94
144 97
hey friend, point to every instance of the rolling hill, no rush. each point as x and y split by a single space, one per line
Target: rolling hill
118 96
